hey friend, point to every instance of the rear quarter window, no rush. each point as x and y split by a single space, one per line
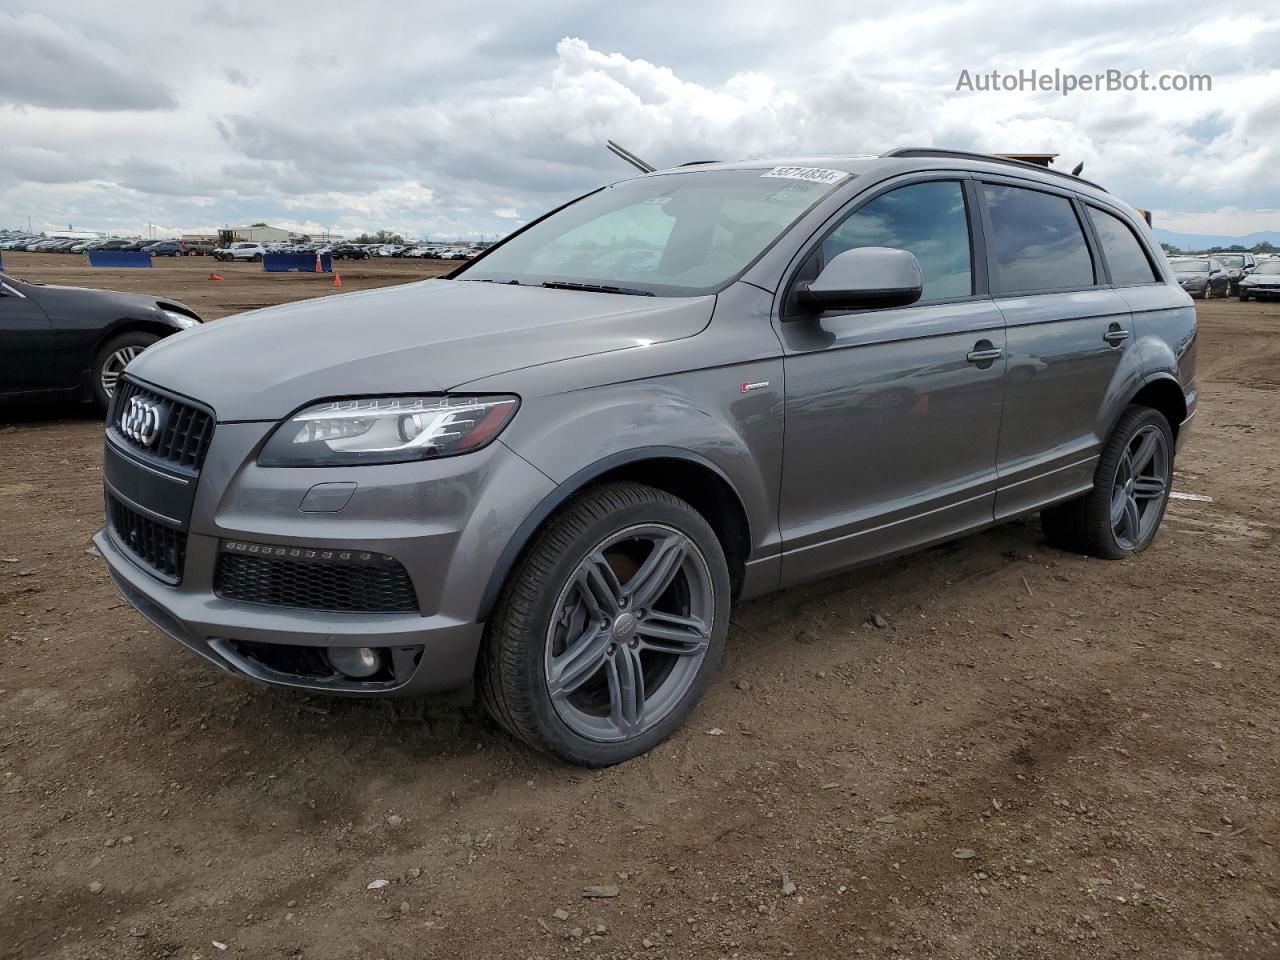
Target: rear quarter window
1122 250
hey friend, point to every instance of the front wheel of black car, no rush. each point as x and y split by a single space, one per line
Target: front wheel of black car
111 359
608 630
1131 486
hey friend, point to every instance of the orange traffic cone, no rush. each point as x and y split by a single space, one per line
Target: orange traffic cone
337 279
319 265
214 276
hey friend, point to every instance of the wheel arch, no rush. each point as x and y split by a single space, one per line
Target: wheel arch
682 473
1163 393
130 325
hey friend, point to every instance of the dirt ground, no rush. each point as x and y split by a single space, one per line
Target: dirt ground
1039 755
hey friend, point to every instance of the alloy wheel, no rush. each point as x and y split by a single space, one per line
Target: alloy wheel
1141 484
629 633
114 365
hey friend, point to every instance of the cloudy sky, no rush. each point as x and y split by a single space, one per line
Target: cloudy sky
448 120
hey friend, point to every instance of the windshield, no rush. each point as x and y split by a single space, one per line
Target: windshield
1233 261
676 234
1269 268
1190 266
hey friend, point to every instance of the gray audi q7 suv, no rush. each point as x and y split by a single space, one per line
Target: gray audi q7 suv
552 471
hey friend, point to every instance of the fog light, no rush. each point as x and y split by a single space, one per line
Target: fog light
355 662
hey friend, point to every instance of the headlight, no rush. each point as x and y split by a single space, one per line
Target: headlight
387 430
182 320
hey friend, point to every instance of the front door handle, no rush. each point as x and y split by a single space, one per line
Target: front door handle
984 352
1115 335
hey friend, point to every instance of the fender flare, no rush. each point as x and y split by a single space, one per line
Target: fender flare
1160 376
566 489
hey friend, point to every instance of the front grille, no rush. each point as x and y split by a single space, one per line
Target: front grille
313 579
185 430
161 548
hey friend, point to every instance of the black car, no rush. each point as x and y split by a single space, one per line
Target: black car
117 244
1202 277
166 248
73 342
348 251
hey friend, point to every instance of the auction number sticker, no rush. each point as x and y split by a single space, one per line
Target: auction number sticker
810 174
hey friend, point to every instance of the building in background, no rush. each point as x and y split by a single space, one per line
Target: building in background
256 233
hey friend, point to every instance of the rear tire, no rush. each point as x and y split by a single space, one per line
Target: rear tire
111 359
608 630
1131 485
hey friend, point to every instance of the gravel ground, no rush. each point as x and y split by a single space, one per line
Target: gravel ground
1035 755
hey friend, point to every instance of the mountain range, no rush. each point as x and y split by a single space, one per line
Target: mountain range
1205 241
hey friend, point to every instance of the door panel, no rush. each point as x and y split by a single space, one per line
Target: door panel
1064 350
26 344
891 431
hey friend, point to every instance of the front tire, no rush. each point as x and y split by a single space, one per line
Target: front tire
111 359
607 632
1131 486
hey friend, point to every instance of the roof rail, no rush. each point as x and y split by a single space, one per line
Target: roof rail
985 157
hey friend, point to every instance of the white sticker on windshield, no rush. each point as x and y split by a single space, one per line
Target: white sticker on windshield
811 174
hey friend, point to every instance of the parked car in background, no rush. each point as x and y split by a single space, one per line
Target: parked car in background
74 342
348 251
1263 283
241 251
1238 266
1202 277
554 472
166 248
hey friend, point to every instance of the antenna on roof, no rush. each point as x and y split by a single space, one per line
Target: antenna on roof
624 154
1075 171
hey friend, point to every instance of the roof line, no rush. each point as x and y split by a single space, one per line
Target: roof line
985 158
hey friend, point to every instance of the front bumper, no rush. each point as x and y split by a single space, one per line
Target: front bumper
1260 290
446 521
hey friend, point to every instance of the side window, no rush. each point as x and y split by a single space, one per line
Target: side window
929 219
1122 250
1037 243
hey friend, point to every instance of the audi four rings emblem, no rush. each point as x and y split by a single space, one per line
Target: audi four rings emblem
141 421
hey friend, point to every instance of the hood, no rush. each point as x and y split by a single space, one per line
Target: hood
60 301
424 337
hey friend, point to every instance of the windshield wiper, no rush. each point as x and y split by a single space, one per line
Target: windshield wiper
596 288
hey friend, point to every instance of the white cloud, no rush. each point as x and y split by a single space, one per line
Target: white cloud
426 125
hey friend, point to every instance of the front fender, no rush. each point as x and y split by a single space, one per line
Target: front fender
574 436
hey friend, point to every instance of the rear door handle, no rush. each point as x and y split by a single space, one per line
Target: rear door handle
1115 335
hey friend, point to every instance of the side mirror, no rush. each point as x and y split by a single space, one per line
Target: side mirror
865 278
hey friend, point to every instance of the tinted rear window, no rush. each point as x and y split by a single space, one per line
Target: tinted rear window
1122 250
1037 245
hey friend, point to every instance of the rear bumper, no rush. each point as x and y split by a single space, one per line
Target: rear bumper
1184 428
